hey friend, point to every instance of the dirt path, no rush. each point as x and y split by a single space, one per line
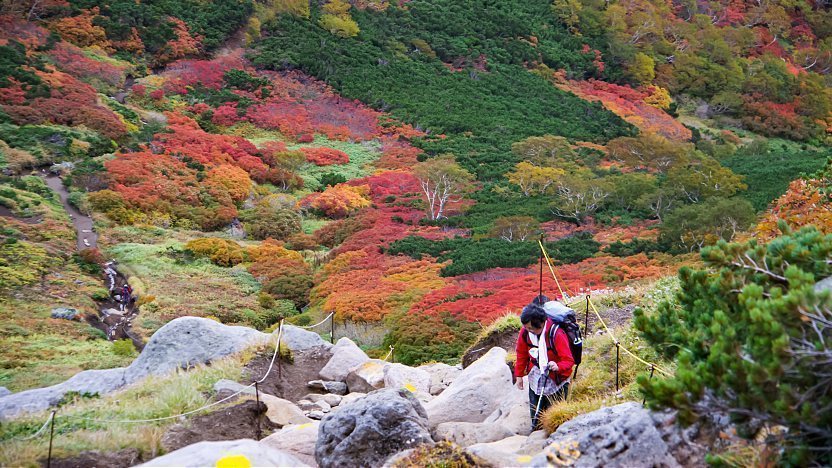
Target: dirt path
114 318
86 236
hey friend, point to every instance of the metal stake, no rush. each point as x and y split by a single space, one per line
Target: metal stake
652 369
540 289
332 328
258 433
586 318
617 348
51 436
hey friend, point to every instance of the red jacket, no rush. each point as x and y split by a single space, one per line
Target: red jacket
562 354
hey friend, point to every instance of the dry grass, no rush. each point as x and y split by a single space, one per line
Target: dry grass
151 398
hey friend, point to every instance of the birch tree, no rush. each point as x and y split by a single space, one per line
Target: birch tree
443 181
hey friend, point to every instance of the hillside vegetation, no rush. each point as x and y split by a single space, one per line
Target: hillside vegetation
397 163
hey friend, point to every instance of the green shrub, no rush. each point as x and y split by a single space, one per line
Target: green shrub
470 255
124 347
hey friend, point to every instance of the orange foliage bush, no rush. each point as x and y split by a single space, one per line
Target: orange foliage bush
338 201
222 252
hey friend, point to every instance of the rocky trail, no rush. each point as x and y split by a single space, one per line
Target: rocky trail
359 411
114 318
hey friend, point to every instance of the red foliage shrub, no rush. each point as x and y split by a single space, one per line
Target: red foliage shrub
325 156
72 60
226 114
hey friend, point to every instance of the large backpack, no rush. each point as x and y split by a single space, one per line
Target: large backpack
565 318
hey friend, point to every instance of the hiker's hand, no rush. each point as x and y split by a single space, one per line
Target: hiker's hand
520 383
553 366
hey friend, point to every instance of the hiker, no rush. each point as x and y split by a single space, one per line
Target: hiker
126 295
547 359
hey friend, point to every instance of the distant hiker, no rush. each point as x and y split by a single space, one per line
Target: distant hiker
126 294
543 352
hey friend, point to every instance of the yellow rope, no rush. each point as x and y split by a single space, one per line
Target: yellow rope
597 314
549 262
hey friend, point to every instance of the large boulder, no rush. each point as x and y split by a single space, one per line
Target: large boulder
513 412
621 436
90 381
401 376
298 339
441 376
4 391
188 341
297 440
208 453
183 342
465 434
476 393
368 431
367 377
345 355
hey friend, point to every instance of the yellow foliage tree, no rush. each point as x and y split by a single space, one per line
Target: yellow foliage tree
337 20
532 179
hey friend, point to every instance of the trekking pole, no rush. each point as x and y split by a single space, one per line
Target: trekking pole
540 399
652 368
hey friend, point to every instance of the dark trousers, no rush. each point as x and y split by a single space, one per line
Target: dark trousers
547 402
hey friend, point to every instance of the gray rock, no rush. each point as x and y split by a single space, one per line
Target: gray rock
188 341
298 339
345 356
332 399
317 415
207 454
367 377
501 452
224 386
401 376
466 434
824 285
476 393
90 382
297 440
441 376
351 397
368 431
338 388
4 391
66 313
513 412
621 436
183 342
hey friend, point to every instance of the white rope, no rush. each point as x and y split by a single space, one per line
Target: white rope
48 420
319 323
389 353
271 366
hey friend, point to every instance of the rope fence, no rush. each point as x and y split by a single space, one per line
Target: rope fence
589 304
390 353
331 318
